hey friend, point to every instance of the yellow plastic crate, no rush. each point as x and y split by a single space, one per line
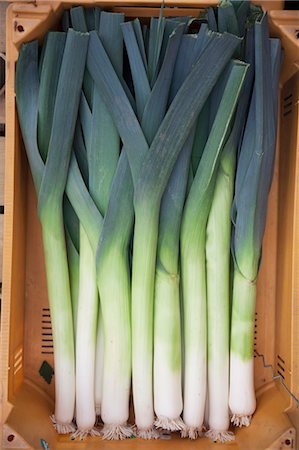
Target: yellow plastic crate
26 400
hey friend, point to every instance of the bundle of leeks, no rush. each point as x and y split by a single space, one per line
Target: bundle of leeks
150 171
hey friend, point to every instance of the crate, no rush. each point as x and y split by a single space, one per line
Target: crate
26 399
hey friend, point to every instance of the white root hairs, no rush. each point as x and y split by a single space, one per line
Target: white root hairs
240 420
192 432
170 424
63 428
149 433
98 410
116 432
82 434
220 436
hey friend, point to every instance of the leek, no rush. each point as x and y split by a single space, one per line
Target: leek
118 221
148 192
99 135
103 159
87 302
75 187
50 197
167 333
86 330
49 75
49 67
150 172
138 263
253 180
50 210
218 271
193 236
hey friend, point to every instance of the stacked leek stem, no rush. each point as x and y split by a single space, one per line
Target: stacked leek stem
152 153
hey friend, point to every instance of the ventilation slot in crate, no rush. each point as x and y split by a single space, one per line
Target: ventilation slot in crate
280 366
287 105
47 338
18 361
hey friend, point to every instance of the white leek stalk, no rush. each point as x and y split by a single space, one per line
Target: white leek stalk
99 365
218 269
86 340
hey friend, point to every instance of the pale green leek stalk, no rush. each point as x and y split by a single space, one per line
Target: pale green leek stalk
193 263
253 181
50 195
218 269
151 169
